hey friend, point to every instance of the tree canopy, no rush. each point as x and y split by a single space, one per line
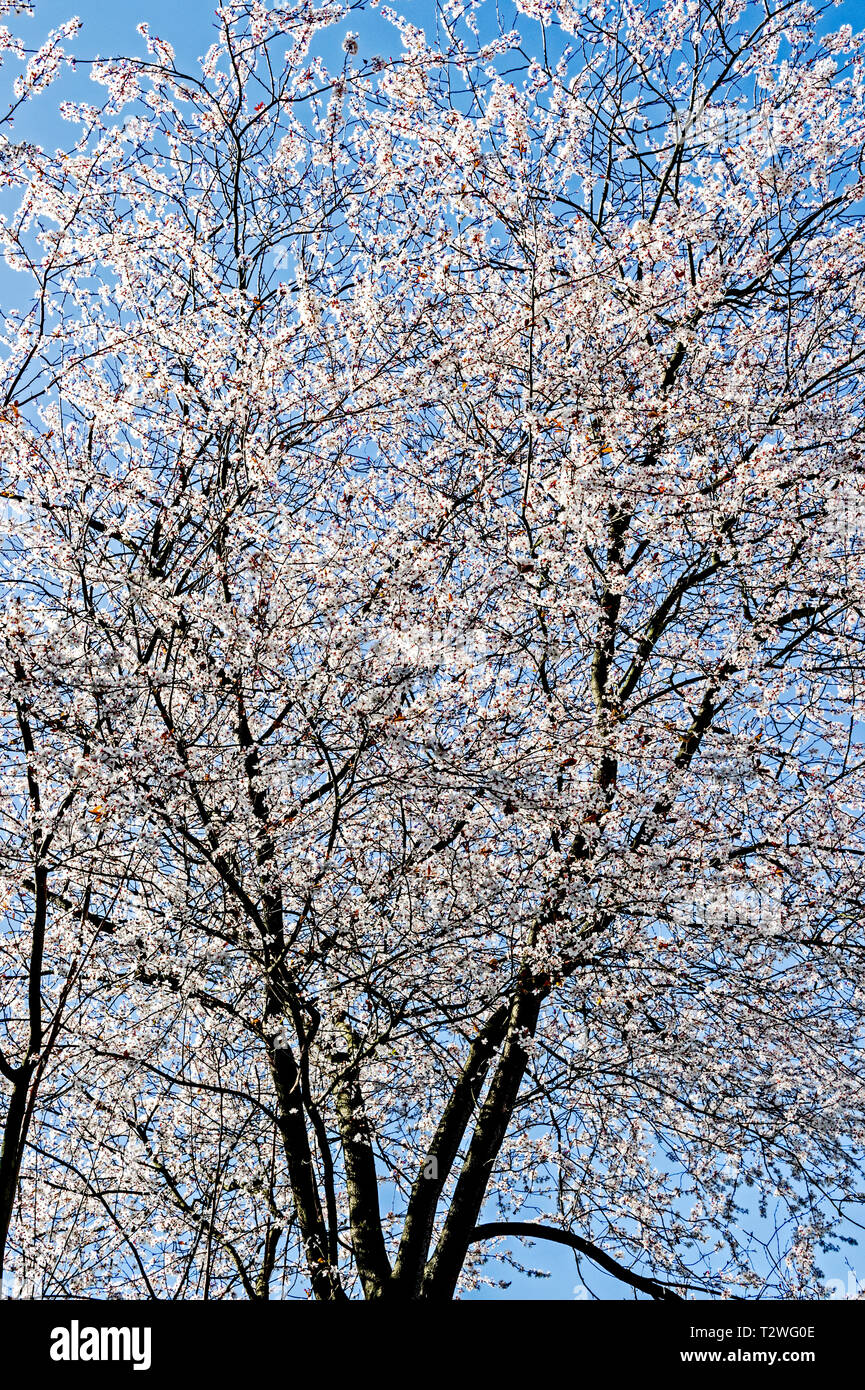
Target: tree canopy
432 631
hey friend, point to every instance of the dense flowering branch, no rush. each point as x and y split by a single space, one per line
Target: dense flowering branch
433 633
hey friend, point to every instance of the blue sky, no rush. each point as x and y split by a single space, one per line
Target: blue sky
110 27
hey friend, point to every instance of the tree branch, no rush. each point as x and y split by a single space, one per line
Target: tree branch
527 1229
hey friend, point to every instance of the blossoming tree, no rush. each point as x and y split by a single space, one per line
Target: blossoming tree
444 482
